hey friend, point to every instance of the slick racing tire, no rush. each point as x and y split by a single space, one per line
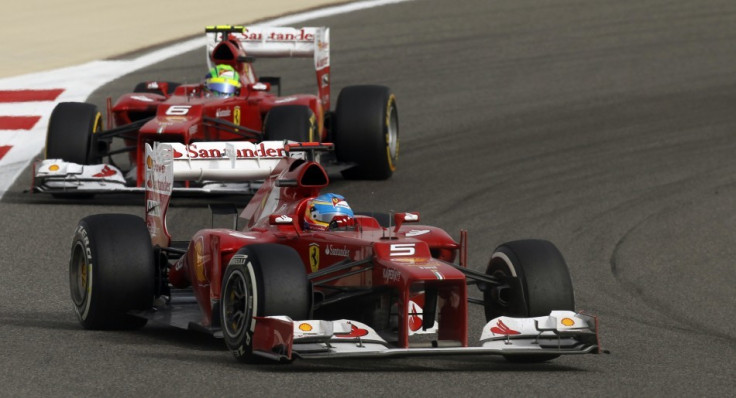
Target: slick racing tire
538 282
146 87
111 271
70 134
366 131
261 280
290 122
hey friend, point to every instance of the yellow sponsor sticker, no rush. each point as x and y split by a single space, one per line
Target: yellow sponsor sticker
236 115
314 256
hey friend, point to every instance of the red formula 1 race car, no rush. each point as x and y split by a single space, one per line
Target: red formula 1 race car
309 278
230 104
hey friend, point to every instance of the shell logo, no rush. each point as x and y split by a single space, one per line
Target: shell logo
305 327
567 321
149 162
54 167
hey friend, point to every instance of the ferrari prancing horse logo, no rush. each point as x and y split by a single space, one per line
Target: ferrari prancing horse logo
314 256
236 115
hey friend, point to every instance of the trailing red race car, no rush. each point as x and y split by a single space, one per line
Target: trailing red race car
231 104
309 278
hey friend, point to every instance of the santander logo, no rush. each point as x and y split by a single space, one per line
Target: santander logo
251 152
501 328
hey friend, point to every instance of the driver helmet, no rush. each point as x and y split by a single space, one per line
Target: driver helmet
223 81
322 209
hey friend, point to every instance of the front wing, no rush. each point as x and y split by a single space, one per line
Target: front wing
211 167
560 333
58 177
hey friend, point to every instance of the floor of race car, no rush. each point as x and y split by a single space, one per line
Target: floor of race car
181 311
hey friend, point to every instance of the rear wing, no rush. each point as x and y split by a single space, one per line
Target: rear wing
170 163
278 42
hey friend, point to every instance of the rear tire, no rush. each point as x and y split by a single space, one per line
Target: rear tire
261 280
539 282
70 134
366 131
111 271
290 122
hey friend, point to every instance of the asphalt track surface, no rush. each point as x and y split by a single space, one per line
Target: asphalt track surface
605 127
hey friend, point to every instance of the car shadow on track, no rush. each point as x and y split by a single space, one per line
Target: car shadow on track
190 346
418 364
39 320
154 334
346 366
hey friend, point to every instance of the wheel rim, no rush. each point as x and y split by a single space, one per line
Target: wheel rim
501 295
97 124
312 126
503 299
80 275
392 134
235 311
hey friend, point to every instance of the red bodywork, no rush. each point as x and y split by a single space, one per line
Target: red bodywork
407 260
191 114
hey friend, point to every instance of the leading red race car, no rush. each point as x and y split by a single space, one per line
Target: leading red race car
309 278
231 104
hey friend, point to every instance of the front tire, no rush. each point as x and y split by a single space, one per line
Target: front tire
261 280
538 282
70 134
366 131
111 271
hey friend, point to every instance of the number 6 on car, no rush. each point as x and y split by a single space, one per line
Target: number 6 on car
231 104
178 110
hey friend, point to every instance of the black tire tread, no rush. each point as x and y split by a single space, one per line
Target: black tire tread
360 130
281 286
290 122
545 283
70 130
123 270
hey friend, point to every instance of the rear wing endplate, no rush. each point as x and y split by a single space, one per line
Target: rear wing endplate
239 161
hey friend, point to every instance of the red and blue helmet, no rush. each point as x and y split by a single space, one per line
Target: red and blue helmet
322 209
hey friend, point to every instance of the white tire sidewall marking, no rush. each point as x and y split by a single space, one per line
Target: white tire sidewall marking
506 260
